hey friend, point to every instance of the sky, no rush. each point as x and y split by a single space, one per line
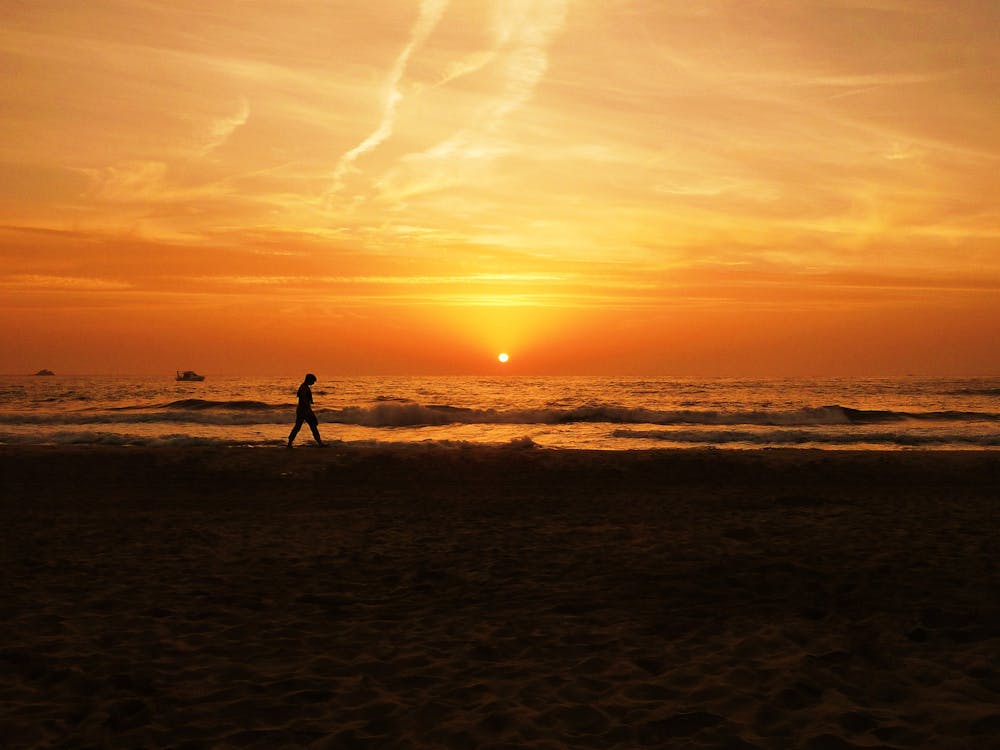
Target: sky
720 188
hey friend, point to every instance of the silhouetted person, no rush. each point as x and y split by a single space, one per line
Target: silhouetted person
304 411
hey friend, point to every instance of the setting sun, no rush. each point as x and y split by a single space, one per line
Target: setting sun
502 357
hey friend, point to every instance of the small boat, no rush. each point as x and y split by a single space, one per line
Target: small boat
45 372
189 376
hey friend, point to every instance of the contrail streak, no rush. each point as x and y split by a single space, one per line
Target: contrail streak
430 13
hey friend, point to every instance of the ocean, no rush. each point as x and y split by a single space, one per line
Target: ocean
606 413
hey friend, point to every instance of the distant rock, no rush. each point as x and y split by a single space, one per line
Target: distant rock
45 372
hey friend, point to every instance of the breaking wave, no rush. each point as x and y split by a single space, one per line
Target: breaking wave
90 437
974 392
414 415
199 404
803 437
393 413
783 438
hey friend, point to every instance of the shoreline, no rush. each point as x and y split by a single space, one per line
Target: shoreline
469 596
513 465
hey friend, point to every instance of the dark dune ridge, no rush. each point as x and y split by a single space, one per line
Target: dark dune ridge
454 596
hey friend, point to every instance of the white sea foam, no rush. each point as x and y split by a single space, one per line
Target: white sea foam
808 437
408 414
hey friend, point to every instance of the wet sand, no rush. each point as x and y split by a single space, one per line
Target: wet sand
457 597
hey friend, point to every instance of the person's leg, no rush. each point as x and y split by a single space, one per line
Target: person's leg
295 430
314 426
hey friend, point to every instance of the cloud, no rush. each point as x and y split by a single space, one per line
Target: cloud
129 181
522 33
146 183
220 130
22 282
430 13
511 66
467 65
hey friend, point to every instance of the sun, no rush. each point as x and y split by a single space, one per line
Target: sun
502 357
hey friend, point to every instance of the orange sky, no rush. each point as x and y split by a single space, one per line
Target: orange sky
726 187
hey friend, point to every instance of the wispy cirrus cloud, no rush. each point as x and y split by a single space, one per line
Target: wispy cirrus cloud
509 70
522 32
429 15
220 130
43 282
129 181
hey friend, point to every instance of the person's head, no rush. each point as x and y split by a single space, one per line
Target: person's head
310 379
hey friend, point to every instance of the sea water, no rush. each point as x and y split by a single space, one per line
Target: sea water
616 413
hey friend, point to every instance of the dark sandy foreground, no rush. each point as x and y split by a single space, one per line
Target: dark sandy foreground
477 597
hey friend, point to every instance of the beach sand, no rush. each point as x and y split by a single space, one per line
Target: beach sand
473 597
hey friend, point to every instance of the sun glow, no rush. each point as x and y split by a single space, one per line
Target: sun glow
502 358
